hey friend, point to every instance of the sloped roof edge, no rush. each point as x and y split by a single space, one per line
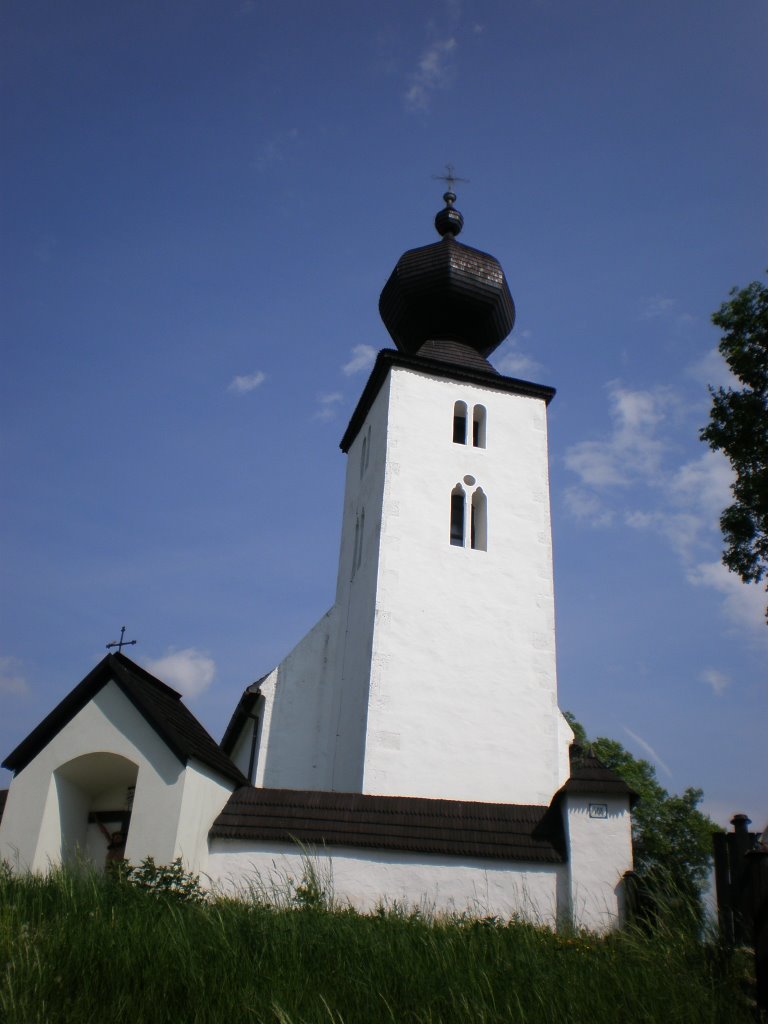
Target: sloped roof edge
241 713
389 357
159 705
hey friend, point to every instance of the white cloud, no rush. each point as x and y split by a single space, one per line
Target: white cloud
713 370
587 507
327 406
630 476
514 363
683 530
646 746
632 452
189 671
743 603
433 71
661 307
719 681
704 483
248 382
511 361
12 681
656 306
362 359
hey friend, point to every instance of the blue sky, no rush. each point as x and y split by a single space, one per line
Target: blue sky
201 202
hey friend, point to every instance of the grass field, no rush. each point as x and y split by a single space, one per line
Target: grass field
77 947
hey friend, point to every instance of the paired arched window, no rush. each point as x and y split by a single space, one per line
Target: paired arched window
478 519
460 420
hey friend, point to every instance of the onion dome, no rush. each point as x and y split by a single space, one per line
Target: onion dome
447 292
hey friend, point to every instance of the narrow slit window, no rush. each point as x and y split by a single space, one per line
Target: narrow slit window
479 521
254 748
478 426
367 454
460 423
360 545
363 457
457 516
356 547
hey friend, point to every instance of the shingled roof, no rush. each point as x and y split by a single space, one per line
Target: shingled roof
590 775
455 827
160 706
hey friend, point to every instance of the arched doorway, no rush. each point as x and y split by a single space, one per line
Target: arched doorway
95 798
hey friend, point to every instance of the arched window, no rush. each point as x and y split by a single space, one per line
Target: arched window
478 528
460 423
478 426
458 501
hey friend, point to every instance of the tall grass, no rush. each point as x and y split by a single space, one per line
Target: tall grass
75 947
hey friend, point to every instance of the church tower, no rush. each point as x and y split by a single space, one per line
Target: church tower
445 657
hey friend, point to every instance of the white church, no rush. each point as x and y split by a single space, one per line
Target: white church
410 745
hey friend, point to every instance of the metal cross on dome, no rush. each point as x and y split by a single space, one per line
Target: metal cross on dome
449 177
120 644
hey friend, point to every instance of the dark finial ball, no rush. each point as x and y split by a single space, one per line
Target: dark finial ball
449 221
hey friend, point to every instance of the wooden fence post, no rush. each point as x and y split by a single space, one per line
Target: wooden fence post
741 882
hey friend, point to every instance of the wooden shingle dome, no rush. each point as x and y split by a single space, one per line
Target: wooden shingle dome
447 291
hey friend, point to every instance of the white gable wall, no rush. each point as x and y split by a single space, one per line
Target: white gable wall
48 802
298 727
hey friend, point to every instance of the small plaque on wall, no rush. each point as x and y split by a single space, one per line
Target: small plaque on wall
598 810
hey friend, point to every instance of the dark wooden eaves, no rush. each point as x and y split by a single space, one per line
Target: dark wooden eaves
436 367
460 828
240 715
590 775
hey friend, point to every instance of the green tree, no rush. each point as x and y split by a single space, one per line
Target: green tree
738 426
672 839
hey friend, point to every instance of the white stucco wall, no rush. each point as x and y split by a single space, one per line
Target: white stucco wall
463 698
434 674
366 879
298 721
204 795
45 817
600 851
